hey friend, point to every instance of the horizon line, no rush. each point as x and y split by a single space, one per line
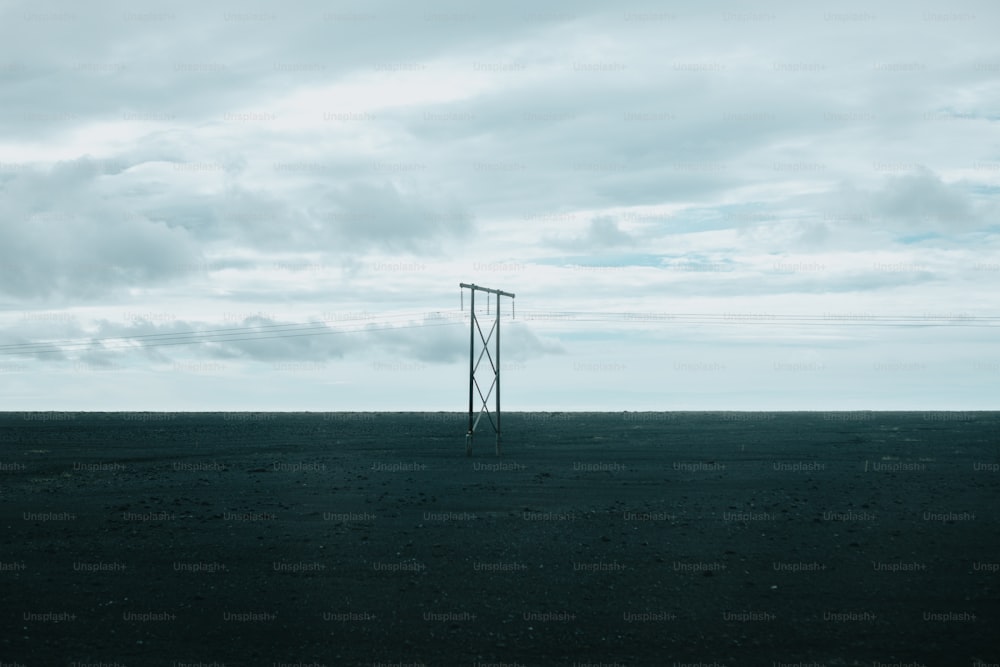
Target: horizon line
462 412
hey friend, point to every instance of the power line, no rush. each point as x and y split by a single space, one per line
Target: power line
388 323
764 318
238 334
174 334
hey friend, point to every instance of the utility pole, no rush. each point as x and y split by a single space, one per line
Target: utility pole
474 362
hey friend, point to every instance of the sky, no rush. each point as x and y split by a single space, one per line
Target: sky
699 206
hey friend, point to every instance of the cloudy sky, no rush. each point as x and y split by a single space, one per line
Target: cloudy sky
764 206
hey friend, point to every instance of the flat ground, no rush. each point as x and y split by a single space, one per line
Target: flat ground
598 538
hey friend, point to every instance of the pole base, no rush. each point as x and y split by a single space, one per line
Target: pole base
468 444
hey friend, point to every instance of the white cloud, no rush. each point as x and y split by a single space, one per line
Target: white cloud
338 159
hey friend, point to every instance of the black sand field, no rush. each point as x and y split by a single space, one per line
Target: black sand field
597 539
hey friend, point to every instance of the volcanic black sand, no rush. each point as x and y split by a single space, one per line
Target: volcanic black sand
597 538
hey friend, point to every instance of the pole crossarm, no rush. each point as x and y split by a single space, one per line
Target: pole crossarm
474 363
480 288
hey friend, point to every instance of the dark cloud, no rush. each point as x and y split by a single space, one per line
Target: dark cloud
602 233
922 200
367 215
432 339
62 237
917 199
520 343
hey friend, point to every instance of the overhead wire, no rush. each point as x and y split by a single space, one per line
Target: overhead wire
763 318
225 335
256 327
393 321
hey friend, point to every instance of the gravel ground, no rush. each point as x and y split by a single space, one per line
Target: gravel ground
597 539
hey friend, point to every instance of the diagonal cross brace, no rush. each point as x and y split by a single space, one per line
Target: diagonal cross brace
486 348
485 403
485 399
